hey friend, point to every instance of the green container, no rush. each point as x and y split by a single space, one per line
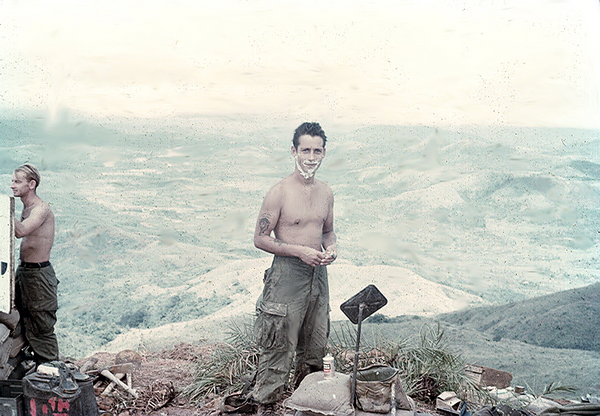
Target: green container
374 386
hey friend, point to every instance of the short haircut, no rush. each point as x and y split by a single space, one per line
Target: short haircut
31 173
312 129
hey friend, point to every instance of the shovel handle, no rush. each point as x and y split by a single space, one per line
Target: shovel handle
118 382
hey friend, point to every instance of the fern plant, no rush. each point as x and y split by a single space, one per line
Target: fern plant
228 368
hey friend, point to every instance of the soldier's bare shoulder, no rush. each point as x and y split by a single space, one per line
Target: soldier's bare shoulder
321 183
287 183
44 208
322 186
279 187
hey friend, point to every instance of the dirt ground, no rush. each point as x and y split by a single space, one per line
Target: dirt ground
158 379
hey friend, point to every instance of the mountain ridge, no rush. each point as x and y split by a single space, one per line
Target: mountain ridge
565 319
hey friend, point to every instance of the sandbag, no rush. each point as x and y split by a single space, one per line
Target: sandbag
328 396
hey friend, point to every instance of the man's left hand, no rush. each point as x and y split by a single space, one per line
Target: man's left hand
330 256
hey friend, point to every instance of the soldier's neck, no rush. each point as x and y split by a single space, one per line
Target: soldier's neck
30 199
303 178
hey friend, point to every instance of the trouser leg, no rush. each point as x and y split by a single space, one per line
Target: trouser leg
272 374
39 331
312 340
277 337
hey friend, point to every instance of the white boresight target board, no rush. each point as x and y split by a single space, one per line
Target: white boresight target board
7 252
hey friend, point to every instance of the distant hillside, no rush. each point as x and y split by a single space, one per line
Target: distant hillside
568 319
229 292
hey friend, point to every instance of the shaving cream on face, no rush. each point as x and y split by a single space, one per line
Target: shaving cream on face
310 170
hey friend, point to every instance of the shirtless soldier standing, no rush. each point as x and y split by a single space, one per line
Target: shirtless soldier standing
293 310
35 281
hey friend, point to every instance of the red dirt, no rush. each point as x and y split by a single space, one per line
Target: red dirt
160 378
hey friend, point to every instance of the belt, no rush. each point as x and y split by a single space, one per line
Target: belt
34 265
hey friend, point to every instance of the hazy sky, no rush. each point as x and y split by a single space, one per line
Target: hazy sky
440 62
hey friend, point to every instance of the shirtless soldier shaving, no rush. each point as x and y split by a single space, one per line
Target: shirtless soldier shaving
293 310
35 281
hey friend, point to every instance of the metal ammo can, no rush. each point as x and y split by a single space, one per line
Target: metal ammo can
52 393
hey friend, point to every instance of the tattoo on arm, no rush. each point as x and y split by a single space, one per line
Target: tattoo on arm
263 224
263 228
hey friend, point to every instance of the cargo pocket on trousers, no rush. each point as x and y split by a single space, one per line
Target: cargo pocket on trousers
271 327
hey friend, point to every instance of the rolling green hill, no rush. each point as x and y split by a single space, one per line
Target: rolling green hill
567 319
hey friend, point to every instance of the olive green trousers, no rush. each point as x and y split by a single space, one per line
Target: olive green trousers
292 319
37 301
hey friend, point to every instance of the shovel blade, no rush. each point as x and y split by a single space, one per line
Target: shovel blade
371 299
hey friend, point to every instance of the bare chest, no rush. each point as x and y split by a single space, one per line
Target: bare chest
307 208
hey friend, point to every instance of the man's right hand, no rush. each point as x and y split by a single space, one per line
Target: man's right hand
311 256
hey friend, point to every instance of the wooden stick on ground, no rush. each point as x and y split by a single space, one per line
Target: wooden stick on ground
119 383
112 385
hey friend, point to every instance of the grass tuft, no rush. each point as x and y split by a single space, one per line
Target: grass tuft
229 367
427 365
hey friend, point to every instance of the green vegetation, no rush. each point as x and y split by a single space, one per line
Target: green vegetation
427 367
229 367
427 363
99 325
177 308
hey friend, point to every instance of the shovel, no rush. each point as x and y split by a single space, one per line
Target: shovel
359 307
